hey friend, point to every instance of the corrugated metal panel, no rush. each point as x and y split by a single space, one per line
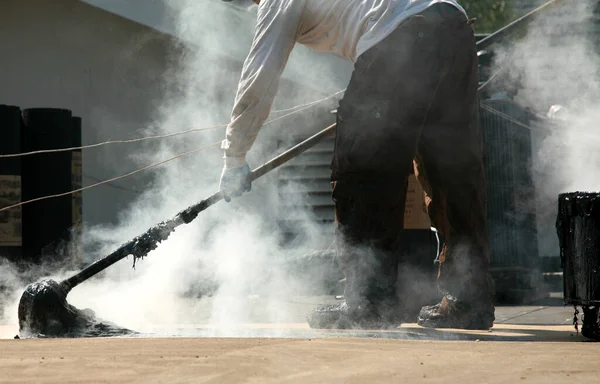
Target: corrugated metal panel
305 183
305 190
510 188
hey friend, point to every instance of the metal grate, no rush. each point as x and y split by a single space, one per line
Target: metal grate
305 190
304 186
510 188
305 183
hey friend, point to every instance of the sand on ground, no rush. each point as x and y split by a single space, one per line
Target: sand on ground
323 360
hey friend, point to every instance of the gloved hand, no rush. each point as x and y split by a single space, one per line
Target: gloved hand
234 181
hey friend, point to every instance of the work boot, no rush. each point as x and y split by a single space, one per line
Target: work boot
453 313
339 316
591 327
591 331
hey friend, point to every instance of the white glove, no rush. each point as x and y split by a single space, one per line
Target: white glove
234 181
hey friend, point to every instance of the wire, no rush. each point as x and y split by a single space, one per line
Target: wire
109 181
112 142
286 115
492 78
540 129
154 137
505 116
112 185
311 103
144 168
113 179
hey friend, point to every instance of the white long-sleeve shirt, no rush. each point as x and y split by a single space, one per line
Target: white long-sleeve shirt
345 27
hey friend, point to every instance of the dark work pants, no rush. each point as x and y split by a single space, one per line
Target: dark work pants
412 101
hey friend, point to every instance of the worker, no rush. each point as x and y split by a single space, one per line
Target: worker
411 101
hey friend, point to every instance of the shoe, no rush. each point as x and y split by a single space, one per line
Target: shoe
452 313
338 316
591 327
591 332
333 316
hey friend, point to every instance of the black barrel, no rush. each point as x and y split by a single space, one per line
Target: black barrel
47 223
76 198
578 229
10 182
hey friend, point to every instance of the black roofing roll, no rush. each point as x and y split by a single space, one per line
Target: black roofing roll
76 183
10 182
578 229
46 223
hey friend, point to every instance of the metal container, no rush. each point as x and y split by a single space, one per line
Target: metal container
10 183
47 223
578 230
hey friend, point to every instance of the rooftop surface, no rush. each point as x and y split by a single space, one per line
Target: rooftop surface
527 344
285 317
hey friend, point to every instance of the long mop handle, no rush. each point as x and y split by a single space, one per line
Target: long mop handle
148 241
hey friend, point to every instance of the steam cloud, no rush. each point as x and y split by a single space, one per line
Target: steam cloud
229 266
233 251
556 64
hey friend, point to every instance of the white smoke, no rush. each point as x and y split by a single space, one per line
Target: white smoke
556 67
213 270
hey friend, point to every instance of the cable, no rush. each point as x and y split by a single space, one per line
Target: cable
113 179
127 141
492 78
540 129
109 181
311 103
111 142
507 117
141 169
286 115
112 185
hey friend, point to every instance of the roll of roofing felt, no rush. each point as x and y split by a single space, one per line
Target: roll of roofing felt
47 223
76 250
10 182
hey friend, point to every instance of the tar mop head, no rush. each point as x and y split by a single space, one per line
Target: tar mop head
45 312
